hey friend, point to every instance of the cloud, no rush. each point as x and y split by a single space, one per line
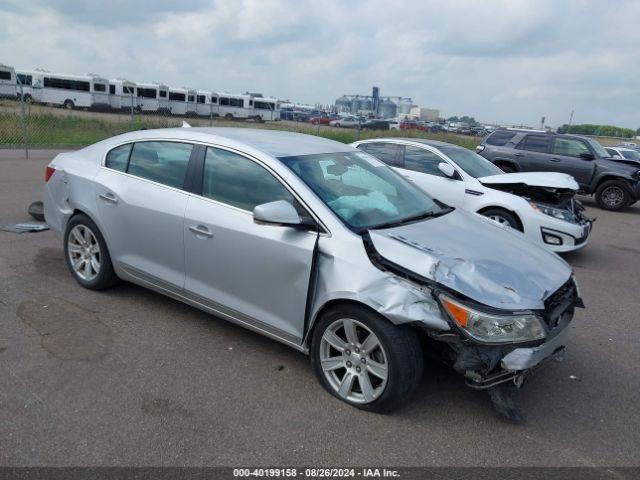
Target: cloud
497 60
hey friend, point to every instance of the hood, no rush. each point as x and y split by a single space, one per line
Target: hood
533 179
476 257
625 161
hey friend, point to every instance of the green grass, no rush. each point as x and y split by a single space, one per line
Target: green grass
47 130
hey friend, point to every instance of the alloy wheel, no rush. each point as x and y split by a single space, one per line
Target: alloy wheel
84 252
612 196
353 361
499 219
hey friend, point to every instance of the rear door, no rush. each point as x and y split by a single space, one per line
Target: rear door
532 153
565 157
257 274
141 206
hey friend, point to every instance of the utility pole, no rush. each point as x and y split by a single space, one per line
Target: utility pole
571 118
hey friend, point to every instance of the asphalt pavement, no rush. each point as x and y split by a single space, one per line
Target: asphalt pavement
130 377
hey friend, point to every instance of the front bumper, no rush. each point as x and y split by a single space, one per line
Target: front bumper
527 358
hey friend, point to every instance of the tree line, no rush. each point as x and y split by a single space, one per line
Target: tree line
599 130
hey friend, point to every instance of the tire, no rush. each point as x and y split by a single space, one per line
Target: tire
612 195
337 125
506 168
68 104
91 277
228 116
28 99
397 348
503 217
137 110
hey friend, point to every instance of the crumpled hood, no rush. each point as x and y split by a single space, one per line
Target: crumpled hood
533 179
476 257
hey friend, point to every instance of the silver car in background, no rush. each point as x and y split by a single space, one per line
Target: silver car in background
317 245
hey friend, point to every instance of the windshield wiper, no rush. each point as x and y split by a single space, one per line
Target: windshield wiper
413 218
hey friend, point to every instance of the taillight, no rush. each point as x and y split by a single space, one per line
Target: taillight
48 173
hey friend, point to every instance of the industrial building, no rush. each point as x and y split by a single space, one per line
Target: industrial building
383 107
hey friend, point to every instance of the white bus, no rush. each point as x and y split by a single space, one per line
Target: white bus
206 103
182 101
266 109
153 97
123 95
69 91
231 106
7 82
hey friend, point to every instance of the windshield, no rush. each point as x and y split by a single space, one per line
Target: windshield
599 149
471 162
362 191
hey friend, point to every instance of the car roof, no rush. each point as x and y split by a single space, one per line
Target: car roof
276 143
425 141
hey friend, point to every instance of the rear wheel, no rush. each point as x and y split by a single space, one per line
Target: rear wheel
68 104
229 116
612 195
86 254
364 360
503 217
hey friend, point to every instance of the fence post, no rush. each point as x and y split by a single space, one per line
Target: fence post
23 115
131 106
211 112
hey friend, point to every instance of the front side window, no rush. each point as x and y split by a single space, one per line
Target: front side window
118 158
421 160
112 89
535 143
469 161
569 147
24 79
362 191
162 162
389 153
235 180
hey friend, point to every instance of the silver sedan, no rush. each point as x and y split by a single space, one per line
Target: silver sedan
314 244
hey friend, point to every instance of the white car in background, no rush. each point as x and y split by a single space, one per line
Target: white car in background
541 205
624 153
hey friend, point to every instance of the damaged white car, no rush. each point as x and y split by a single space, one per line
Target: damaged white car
317 245
541 205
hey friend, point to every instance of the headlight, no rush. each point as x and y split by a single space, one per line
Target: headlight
560 214
491 328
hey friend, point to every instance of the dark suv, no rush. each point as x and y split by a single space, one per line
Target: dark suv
615 184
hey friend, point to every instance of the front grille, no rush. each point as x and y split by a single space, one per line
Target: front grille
562 300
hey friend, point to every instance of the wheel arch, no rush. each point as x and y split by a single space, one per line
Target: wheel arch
505 161
506 209
612 176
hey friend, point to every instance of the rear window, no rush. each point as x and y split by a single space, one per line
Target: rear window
161 162
500 137
387 152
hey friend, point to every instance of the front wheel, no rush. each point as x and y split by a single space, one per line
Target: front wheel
612 195
364 360
68 104
86 254
503 217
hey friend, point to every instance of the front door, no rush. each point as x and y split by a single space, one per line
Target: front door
141 208
258 274
565 157
421 167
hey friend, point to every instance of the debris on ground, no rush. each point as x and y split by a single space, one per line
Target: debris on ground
573 377
503 399
36 210
25 227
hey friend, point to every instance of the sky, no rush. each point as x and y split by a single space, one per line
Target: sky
498 61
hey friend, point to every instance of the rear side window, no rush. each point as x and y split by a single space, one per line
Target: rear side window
162 162
569 147
118 158
535 143
500 137
388 153
423 161
235 180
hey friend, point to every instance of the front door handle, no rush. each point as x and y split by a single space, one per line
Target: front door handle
554 159
108 197
201 230
518 154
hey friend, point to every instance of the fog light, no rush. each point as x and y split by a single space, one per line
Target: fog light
551 239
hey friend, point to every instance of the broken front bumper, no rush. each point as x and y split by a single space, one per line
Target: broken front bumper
527 358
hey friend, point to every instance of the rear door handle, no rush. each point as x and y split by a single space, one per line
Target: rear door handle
108 197
554 159
201 230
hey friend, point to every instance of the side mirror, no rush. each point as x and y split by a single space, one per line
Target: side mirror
446 169
586 156
279 212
